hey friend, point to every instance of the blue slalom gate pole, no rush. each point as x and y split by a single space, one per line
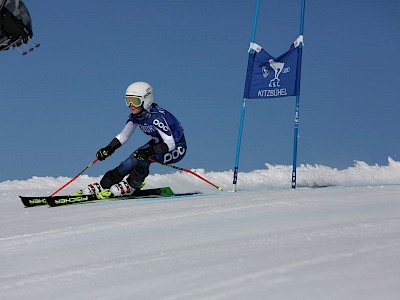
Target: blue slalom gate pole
297 110
239 142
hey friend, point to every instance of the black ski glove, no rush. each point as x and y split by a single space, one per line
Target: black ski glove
105 152
143 154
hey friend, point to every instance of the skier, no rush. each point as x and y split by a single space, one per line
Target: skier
167 144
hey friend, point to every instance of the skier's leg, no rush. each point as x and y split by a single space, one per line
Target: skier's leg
116 175
112 181
138 174
111 177
141 169
138 170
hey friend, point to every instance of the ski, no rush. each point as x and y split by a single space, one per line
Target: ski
68 199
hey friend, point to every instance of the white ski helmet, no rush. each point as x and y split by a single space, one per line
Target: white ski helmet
139 93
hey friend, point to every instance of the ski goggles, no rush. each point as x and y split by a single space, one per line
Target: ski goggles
133 100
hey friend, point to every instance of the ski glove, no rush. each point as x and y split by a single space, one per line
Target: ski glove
105 152
143 154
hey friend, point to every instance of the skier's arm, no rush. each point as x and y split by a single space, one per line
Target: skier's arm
117 142
167 137
145 153
167 144
126 133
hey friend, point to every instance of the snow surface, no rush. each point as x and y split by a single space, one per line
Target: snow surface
264 242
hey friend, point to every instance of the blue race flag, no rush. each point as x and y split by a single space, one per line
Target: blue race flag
270 77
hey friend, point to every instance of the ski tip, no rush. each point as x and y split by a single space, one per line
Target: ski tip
220 189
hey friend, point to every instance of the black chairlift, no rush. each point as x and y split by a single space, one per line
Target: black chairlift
15 27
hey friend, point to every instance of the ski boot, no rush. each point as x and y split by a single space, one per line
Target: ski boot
91 189
117 190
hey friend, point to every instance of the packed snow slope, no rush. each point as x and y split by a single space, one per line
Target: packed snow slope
264 242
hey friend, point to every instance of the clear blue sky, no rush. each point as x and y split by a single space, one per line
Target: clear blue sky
65 100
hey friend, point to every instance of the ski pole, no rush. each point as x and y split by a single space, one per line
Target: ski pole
80 173
186 170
